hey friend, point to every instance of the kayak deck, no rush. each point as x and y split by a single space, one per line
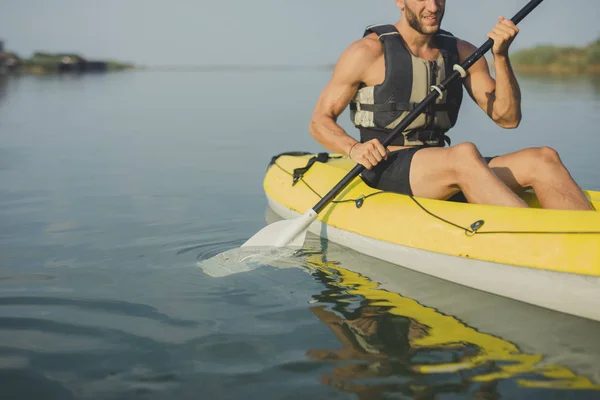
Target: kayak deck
552 240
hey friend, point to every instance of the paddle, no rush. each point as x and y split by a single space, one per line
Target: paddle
292 232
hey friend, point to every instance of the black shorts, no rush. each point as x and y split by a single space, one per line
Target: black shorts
393 174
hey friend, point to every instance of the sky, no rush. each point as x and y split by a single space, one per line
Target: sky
259 32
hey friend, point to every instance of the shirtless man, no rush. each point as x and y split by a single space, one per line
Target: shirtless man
384 74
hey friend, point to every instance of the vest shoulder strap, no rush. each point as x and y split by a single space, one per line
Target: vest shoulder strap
398 83
445 34
448 44
382 31
389 33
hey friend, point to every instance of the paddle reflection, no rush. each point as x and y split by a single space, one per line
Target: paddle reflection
392 344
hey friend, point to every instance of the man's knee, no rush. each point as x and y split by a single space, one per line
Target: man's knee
465 157
466 151
542 159
547 155
543 163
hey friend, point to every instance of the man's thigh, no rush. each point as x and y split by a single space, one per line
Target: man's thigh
432 174
514 169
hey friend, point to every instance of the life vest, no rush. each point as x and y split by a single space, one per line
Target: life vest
376 110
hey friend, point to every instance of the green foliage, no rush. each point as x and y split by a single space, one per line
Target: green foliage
49 62
117 66
564 58
54 56
593 52
540 55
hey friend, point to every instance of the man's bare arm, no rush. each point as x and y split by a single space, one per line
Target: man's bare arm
499 98
347 76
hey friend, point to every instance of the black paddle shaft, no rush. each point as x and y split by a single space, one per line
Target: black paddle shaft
422 106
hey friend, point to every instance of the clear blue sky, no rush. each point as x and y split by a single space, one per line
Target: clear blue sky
186 32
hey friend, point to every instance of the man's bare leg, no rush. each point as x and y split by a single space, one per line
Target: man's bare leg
542 169
438 173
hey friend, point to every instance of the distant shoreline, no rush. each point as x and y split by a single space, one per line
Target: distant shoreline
557 69
559 60
45 63
50 63
540 59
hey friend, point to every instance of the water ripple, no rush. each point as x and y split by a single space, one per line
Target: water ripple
211 249
115 307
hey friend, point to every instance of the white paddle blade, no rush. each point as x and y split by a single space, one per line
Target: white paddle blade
286 233
238 260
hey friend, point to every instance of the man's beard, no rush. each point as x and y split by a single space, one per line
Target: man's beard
414 22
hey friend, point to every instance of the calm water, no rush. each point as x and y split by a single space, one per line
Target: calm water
114 187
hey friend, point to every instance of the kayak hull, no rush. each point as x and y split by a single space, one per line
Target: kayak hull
569 293
572 293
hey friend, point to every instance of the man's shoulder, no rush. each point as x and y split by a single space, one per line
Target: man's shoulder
358 57
465 48
450 38
367 47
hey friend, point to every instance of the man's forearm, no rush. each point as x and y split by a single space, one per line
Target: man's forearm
507 96
331 136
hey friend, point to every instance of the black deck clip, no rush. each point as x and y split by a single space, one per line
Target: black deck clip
299 172
475 226
360 201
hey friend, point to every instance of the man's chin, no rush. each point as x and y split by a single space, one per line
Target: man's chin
430 30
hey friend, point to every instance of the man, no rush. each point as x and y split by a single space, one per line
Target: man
390 70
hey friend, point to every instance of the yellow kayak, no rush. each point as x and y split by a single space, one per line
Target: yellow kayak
550 258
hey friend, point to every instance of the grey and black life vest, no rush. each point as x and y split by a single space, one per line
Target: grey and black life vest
376 110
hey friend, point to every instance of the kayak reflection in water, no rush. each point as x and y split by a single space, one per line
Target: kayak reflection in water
379 343
392 344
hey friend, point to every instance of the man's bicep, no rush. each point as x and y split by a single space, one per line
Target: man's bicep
346 78
335 98
479 83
